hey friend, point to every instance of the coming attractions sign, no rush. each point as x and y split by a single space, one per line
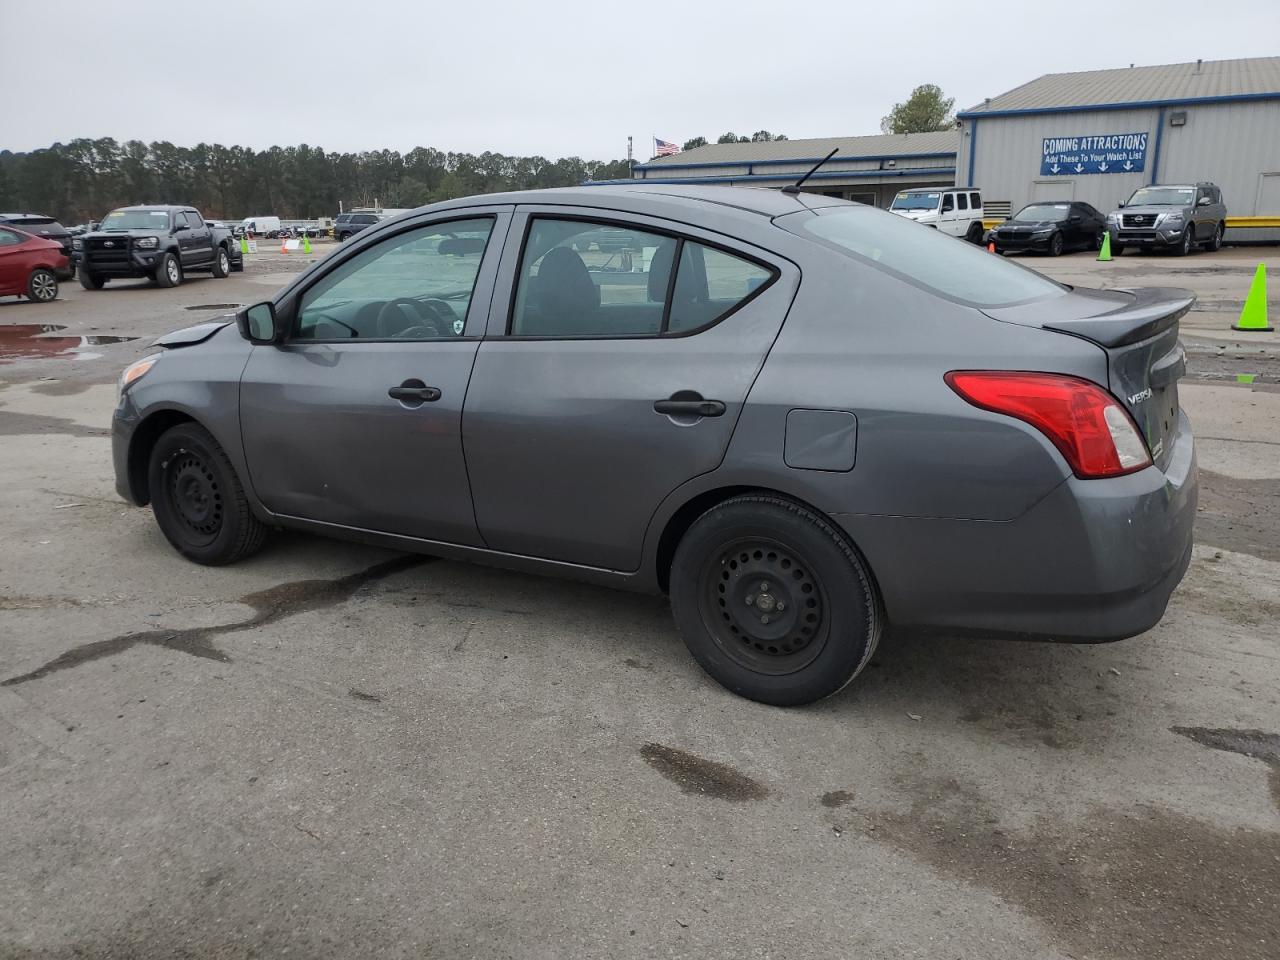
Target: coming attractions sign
1106 153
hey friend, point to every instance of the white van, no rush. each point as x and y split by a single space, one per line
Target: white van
953 210
261 226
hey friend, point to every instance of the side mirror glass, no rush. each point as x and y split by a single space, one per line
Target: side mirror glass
1203 201
257 323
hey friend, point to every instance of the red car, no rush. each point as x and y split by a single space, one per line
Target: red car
29 266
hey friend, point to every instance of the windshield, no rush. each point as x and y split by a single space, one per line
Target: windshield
136 220
1163 197
923 256
916 201
1043 211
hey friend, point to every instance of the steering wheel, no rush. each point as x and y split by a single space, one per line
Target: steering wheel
442 314
395 312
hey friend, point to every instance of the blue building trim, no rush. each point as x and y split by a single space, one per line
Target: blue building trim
1127 105
772 163
973 150
941 172
1155 156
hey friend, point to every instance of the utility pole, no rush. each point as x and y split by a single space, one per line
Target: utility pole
630 162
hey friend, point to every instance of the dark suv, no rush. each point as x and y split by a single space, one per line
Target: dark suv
1173 217
349 224
48 228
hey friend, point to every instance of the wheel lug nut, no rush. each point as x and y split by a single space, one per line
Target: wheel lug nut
764 587
764 619
781 606
750 601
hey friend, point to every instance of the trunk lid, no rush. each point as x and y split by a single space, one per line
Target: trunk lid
1138 331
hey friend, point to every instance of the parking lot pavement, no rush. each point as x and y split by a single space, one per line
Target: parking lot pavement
336 751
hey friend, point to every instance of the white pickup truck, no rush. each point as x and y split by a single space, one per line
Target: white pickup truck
953 210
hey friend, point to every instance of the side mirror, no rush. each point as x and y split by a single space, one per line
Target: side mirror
1203 202
258 323
179 227
1120 205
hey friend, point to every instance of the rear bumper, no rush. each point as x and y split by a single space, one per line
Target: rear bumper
1095 560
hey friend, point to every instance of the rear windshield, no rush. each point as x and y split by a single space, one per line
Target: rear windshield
32 221
916 201
920 255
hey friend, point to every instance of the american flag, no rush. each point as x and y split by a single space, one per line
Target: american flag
663 149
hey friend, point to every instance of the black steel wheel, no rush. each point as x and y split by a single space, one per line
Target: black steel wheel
773 601
198 501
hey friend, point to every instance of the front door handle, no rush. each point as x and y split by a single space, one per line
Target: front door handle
689 408
415 392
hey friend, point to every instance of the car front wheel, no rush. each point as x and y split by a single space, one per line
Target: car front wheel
1186 243
169 271
198 501
90 281
1055 245
773 602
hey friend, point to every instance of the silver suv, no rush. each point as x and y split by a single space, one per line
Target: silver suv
1173 217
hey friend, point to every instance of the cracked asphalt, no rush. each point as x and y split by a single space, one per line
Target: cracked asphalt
337 751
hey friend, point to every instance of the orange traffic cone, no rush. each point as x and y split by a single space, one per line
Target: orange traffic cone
991 246
284 244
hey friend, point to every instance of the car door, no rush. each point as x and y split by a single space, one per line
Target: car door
947 214
182 234
11 261
355 418
1203 213
606 381
201 239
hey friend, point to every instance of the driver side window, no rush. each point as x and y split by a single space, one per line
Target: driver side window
413 286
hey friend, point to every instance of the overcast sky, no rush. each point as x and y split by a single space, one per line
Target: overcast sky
554 78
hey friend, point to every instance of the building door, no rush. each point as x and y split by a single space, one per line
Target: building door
1053 190
1268 195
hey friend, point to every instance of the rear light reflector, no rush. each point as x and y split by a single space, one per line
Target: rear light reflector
1091 430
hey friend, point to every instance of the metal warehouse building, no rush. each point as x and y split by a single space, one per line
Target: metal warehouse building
1098 136
868 169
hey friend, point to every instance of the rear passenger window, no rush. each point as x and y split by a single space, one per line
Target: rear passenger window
710 284
962 201
585 279
975 200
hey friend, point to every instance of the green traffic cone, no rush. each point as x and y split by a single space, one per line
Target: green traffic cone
1104 253
1253 318
306 244
244 244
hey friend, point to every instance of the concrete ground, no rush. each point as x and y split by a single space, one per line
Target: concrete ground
334 751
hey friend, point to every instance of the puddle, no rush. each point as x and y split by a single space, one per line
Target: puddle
214 306
31 341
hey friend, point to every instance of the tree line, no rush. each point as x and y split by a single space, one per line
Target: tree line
83 179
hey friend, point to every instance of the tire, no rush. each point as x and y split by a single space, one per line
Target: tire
1055 245
42 286
222 263
975 233
1214 243
823 617
198 501
1097 241
168 271
90 281
1186 244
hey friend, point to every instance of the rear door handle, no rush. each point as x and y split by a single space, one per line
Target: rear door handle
412 394
689 408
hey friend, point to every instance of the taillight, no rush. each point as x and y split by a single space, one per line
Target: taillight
1087 425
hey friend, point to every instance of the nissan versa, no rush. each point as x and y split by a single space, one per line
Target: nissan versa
805 419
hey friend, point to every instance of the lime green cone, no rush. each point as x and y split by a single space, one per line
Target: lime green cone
244 245
1253 318
1104 254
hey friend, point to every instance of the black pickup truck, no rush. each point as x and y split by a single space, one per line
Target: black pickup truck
162 243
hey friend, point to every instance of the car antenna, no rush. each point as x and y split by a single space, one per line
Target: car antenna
793 189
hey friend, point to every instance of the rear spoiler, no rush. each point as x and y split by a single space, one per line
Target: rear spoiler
1153 310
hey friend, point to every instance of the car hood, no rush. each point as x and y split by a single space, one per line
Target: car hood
190 336
1147 211
915 214
119 234
1030 224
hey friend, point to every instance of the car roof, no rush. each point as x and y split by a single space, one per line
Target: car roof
760 201
169 207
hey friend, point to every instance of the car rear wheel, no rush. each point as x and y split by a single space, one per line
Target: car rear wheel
198 501
42 286
168 271
222 264
1055 245
90 281
975 233
773 602
1215 242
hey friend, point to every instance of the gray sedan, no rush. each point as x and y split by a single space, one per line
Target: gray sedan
804 419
